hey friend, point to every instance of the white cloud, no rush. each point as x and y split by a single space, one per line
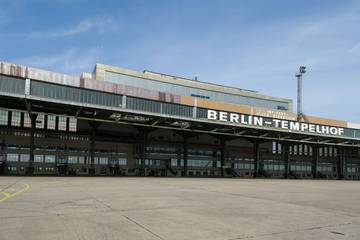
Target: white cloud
98 24
355 48
71 61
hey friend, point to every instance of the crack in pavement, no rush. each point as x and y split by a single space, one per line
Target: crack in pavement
143 227
293 231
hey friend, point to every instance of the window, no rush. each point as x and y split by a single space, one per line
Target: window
39 158
73 159
27 120
122 161
16 119
12 169
67 93
51 122
72 124
325 151
81 160
12 85
200 96
24 157
12 157
174 162
279 148
300 149
49 159
274 145
310 150
103 160
295 149
3 117
40 121
62 123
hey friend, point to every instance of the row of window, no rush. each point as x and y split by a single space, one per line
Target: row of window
149 162
190 152
237 158
38 158
248 166
36 168
12 85
78 95
158 107
195 163
203 163
303 149
16 119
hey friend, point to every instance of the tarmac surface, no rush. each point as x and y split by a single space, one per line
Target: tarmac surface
177 208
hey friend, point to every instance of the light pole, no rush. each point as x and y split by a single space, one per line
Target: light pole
299 75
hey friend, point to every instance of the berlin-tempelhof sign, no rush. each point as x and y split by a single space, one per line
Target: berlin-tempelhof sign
244 119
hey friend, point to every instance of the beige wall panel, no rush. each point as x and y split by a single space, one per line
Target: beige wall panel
274 114
228 107
324 121
190 101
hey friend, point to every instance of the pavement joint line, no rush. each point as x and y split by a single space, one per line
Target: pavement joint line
11 195
143 227
293 231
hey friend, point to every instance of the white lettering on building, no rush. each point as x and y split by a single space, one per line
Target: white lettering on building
273 123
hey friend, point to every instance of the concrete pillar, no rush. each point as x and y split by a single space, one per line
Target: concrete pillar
257 160
315 160
30 168
143 154
94 126
185 155
92 152
286 158
344 160
222 157
341 162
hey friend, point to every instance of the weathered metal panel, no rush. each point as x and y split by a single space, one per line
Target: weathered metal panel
38 74
128 90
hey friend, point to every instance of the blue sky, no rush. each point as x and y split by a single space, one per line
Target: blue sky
256 45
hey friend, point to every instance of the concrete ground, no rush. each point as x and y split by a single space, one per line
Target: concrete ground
177 208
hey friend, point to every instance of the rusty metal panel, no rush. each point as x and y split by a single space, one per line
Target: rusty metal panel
38 74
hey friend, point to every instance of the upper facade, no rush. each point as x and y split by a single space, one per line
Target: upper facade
188 88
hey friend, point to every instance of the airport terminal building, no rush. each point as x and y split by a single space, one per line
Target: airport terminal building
119 122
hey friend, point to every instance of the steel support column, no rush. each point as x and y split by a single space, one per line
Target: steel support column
340 163
185 155
222 157
30 168
94 126
286 158
257 160
143 152
315 160
92 152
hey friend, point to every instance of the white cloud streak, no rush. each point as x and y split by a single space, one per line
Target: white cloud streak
71 61
98 24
